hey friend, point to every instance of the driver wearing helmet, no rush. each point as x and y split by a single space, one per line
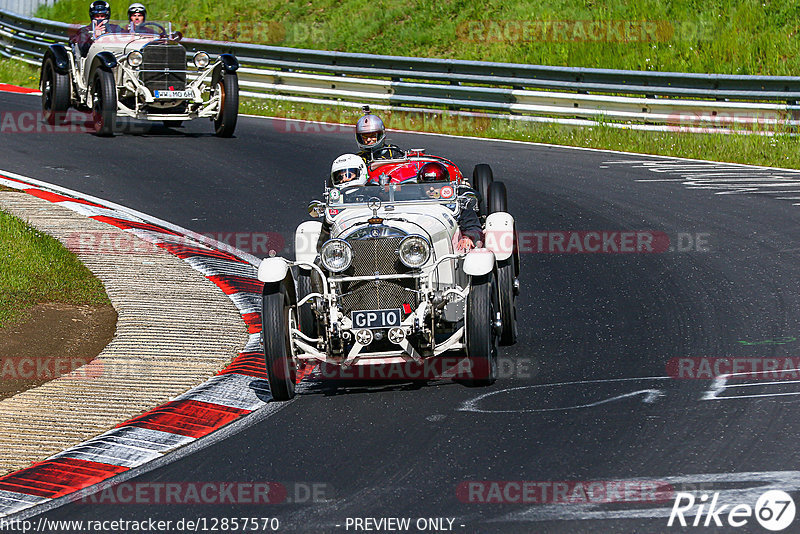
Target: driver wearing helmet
99 13
348 170
469 224
371 139
137 15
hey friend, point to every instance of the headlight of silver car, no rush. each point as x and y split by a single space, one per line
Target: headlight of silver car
201 60
414 251
134 58
337 255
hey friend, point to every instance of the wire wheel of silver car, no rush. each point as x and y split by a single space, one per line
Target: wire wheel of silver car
55 94
104 102
481 334
506 272
305 315
228 90
277 317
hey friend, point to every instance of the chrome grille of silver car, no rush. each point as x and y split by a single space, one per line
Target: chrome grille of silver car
163 67
373 257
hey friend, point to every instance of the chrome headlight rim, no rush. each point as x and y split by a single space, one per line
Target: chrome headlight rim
201 60
331 245
134 58
409 241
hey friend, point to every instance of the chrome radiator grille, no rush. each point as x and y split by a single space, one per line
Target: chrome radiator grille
373 257
164 67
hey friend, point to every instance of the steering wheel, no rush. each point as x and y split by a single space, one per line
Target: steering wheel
162 32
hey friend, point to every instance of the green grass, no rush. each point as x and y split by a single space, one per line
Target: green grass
35 268
19 73
778 150
723 36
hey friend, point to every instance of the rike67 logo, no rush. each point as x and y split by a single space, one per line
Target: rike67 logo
774 510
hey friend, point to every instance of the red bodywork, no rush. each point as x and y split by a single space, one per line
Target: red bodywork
406 170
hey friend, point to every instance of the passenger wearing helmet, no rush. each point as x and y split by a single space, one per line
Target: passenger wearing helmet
348 170
371 139
137 15
99 13
468 222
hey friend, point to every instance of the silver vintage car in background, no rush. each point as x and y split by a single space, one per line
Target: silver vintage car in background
145 76
389 287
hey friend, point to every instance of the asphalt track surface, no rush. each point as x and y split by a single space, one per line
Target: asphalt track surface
596 334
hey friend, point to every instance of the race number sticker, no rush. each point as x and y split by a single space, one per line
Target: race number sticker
446 192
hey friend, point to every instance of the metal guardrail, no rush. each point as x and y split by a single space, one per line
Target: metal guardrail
626 99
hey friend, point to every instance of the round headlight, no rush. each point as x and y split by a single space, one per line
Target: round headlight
201 60
135 58
337 255
414 251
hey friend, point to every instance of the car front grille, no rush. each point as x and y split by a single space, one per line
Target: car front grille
379 257
164 67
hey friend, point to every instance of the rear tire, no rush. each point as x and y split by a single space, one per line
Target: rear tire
482 177
276 312
481 338
507 300
104 103
228 89
498 200
55 94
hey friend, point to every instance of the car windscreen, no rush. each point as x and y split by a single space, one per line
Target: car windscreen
394 193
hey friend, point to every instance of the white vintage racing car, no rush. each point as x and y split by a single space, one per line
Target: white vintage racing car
145 76
389 286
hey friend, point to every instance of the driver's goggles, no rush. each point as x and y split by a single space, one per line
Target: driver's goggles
345 175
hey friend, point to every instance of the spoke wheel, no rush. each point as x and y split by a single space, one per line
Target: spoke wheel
228 90
55 94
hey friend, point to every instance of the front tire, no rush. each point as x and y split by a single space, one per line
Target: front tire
276 313
498 199
104 103
481 337
228 90
55 94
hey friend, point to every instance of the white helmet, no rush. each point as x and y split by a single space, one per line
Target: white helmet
348 170
137 8
370 123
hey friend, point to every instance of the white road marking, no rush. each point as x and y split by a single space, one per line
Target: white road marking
649 396
752 485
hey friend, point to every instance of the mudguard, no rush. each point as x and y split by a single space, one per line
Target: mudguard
60 57
228 63
104 60
273 270
499 235
305 241
479 262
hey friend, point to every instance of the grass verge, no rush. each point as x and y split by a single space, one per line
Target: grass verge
17 72
774 151
36 268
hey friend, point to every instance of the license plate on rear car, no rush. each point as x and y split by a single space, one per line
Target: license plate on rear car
174 94
376 318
